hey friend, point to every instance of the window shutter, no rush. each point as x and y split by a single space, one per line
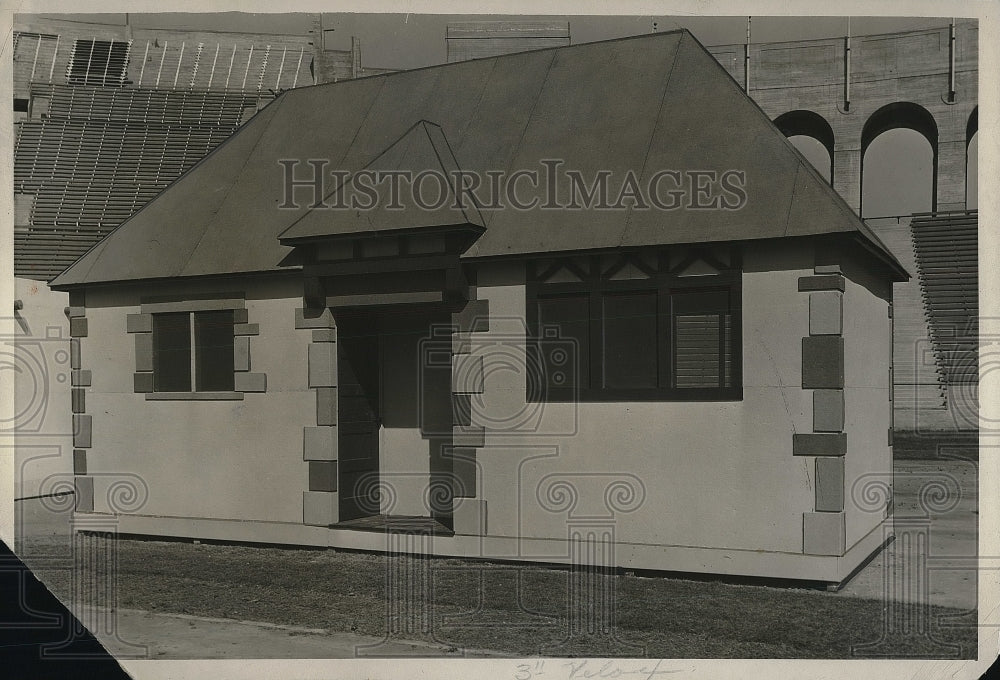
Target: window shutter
702 337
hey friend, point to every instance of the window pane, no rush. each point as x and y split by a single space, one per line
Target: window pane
630 339
172 352
564 342
213 352
702 346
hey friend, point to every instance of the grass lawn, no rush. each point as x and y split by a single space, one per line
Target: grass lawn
520 610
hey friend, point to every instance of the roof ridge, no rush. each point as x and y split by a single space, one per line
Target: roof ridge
626 38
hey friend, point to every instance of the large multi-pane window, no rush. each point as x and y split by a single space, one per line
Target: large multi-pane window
193 351
644 326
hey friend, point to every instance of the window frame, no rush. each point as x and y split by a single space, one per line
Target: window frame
194 354
665 280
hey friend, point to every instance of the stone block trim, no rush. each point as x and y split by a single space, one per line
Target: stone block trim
822 282
326 406
823 362
78 400
461 409
193 304
467 374
144 352
323 364
828 411
824 529
829 484
469 516
314 318
320 444
826 313
249 382
84 487
83 426
139 323
468 436
142 383
819 444
464 472
319 508
823 533
241 353
467 379
82 431
473 318
141 326
78 327
323 475
246 329
79 461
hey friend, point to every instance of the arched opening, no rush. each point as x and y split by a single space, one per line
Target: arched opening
812 136
898 161
972 161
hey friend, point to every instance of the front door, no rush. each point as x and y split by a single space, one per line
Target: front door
358 415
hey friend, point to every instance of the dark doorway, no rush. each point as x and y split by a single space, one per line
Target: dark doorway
394 417
358 414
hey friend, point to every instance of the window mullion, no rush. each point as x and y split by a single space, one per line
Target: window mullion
722 349
194 358
596 329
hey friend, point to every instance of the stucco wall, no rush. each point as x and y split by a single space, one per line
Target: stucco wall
209 459
712 474
867 408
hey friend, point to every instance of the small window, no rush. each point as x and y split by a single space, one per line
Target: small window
193 348
98 62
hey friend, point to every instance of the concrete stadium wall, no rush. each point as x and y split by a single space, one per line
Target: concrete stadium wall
909 67
166 58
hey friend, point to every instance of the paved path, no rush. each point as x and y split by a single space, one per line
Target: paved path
950 574
156 635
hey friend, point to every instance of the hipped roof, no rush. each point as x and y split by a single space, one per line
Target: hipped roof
641 104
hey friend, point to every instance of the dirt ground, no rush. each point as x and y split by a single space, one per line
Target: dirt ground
943 573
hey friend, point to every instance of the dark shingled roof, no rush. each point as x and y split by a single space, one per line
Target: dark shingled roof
644 104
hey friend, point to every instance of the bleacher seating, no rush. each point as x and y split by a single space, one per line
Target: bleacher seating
92 156
946 246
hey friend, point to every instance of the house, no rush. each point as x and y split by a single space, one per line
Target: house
606 301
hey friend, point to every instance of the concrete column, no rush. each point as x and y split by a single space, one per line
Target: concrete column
847 175
951 167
